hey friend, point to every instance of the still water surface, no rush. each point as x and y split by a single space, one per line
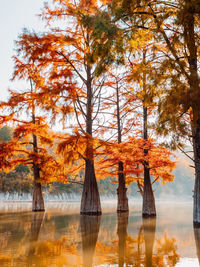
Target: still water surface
61 237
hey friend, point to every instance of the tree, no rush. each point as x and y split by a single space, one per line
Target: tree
118 122
32 139
121 191
141 73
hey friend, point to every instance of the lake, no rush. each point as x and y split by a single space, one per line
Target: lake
61 237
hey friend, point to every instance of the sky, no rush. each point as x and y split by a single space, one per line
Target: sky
15 15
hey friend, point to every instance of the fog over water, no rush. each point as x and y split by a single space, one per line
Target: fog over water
73 197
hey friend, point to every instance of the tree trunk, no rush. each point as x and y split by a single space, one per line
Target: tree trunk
148 207
38 201
122 235
149 227
122 200
122 203
90 201
196 147
89 232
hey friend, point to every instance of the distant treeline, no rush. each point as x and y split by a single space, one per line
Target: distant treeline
20 181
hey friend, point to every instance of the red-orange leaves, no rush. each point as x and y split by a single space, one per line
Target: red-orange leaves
74 147
131 153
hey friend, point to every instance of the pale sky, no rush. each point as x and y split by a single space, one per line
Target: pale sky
15 15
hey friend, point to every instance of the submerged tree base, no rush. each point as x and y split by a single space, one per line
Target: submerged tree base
90 201
148 207
38 201
122 199
196 225
38 210
122 211
90 213
146 215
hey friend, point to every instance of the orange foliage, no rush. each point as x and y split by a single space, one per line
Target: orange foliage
73 150
32 140
131 153
19 150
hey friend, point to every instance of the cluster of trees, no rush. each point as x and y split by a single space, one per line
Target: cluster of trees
102 69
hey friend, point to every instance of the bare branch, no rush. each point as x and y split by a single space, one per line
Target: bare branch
83 131
72 65
81 108
185 153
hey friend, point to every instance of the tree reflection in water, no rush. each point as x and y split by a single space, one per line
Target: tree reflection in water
155 252
122 235
149 228
56 241
89 232
36 222
144 249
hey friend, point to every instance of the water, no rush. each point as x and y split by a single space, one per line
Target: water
61 237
